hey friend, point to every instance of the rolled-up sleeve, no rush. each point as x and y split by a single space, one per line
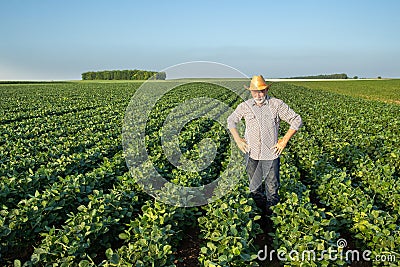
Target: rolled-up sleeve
235 117
291 117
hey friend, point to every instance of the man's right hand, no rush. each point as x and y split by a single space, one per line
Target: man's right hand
241 143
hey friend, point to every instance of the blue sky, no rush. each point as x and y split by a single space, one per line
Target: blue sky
58 40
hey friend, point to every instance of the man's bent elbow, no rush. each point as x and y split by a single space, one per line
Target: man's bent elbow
296 124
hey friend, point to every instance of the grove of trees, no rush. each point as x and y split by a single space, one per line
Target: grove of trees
324 76
123 75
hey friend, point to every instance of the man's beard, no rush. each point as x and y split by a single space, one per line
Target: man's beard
259 100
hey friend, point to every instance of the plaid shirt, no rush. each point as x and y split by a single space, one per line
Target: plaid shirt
262 125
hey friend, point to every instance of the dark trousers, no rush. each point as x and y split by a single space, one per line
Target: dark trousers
266 171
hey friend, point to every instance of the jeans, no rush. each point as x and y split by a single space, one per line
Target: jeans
266 171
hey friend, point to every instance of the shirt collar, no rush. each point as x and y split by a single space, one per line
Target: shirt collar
253 102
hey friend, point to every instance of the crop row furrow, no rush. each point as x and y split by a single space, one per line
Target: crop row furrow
21 225
17 187
27 155
93 228
56 126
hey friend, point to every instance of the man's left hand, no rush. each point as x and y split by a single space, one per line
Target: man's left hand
278 148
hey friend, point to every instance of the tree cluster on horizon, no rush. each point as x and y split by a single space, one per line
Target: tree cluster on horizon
123 75
323 76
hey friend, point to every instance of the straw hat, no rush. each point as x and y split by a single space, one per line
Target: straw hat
257 83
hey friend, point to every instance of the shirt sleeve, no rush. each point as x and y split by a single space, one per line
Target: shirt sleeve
291 117
235 117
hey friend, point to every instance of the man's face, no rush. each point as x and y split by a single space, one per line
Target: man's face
259 95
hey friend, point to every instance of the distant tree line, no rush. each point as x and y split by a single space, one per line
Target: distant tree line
324 76
123 75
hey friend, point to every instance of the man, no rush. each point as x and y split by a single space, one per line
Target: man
262 115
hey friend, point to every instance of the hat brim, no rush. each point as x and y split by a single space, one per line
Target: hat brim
257 89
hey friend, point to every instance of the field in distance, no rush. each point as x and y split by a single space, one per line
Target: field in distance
382 90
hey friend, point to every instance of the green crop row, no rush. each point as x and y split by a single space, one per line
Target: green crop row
20 226
21 102
92 228
300 225
331 154
19 186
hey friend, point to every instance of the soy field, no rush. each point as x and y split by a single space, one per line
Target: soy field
68 198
